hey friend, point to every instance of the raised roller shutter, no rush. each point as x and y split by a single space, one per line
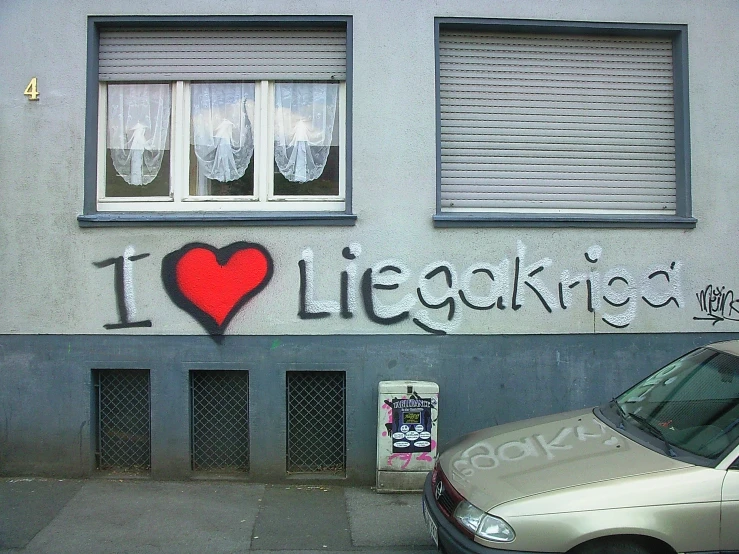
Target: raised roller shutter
556 123
243 54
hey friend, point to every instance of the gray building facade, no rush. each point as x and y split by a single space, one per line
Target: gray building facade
223 226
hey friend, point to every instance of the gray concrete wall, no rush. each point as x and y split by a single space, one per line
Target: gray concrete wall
59 309
47 396
50 283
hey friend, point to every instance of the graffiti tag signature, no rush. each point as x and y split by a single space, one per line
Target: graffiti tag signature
717 304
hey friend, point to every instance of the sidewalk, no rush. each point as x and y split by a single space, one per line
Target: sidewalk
139 516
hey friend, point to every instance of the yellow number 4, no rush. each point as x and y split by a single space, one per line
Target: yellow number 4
32 90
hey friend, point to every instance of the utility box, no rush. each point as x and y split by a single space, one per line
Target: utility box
407 413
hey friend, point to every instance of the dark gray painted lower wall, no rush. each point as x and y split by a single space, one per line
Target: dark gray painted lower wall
46 396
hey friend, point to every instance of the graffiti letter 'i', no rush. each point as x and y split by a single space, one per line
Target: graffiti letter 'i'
123 284
592 255
349 281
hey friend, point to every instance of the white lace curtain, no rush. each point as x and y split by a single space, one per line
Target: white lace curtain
304 125
221 131
138 130
222 136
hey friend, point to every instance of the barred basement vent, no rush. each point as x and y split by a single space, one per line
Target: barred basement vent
316 422
220 420
123 407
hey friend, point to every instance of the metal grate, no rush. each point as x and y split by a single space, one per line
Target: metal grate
220 420
124 420
316 426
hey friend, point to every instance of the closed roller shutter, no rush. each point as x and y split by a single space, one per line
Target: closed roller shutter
556 123
244 54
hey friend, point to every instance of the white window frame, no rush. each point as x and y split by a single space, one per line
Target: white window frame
179 198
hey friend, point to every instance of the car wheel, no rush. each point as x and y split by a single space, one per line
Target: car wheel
612 546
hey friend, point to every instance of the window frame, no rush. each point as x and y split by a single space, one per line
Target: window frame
180 199
290 212
677 33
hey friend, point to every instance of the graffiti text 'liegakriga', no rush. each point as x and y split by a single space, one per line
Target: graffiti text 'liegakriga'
441 294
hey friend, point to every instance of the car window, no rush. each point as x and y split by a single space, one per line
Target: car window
693 403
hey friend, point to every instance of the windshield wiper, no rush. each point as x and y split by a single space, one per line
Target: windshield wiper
620 411
654 431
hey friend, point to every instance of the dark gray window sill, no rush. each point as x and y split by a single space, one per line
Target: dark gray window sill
563 220
129 219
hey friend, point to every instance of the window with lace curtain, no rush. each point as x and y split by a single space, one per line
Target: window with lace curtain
230 120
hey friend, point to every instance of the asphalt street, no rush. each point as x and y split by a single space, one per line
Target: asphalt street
59 516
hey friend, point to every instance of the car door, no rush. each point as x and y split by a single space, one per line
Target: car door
730 507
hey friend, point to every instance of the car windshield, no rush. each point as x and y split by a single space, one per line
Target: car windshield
691 404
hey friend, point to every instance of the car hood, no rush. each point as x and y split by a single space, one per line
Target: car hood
512 461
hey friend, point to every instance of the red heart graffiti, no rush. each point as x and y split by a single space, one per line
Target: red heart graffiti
213 284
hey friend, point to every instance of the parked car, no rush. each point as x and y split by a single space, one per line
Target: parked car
654 471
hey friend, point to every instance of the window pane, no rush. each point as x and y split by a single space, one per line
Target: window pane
222 139
306 139
117 187
137 157
327 184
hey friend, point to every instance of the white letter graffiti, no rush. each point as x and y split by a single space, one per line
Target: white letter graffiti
454 316
483 286
310 308
620 277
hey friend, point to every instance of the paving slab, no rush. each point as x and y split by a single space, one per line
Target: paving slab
386 519
45 516
302 518
355 550
27 505
145 516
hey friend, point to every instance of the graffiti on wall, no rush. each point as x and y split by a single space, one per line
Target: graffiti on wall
123 286
213 284
717 304
442 293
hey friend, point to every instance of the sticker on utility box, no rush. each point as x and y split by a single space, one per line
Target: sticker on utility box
411 422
